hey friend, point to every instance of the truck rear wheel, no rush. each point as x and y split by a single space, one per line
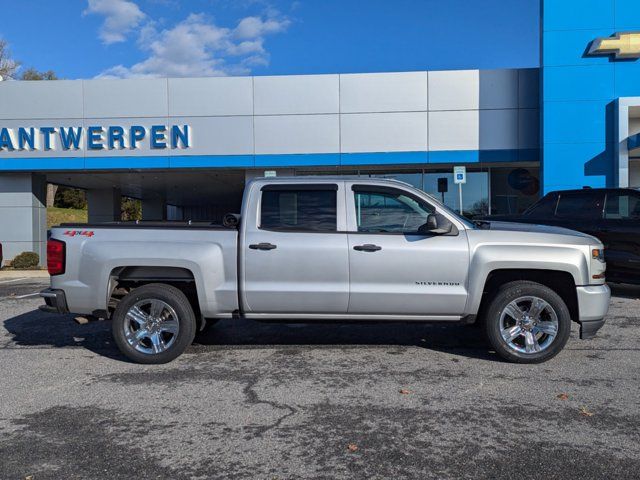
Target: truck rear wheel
527 322
154 324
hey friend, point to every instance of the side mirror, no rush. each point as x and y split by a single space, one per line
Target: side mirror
436 225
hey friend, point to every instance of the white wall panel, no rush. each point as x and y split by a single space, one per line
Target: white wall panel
125 98
454 90
218 136
383 92
296 94
458 130
297 134
34 99
529 128
384 132
210 96
498 89
498 129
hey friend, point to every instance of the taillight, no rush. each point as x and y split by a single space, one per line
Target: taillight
55 257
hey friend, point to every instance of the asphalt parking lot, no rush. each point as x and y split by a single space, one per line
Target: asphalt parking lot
314 401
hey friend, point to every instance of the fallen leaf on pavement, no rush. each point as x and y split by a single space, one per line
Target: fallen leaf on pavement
586 413
563 396
404 391
352 447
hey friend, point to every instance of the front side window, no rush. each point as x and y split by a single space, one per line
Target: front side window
544 208
390 212
580 206
300 210
622 207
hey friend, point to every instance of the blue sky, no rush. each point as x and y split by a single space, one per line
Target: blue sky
138 38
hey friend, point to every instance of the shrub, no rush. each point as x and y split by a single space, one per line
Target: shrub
26 260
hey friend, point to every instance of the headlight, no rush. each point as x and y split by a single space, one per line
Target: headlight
598 265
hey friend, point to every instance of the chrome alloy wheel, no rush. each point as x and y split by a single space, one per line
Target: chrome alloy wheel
528 324
151 326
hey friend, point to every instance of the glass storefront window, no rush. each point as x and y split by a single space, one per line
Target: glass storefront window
475 193
514 189
493 190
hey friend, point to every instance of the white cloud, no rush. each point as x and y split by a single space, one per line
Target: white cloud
255 27
120 18
197 46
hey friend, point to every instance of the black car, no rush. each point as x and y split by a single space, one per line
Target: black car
610 214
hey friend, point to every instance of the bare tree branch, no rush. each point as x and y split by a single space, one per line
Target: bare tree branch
8 66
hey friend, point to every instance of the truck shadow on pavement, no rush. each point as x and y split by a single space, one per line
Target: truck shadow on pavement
38 329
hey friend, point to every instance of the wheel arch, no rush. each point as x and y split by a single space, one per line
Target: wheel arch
559 281
127 278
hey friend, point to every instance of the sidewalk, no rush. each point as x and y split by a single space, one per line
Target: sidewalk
13 274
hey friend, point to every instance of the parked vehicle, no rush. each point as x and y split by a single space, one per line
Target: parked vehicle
610 214
318 249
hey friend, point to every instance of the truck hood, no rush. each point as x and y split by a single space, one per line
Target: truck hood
539 229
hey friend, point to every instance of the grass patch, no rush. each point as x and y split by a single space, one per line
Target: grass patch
56 216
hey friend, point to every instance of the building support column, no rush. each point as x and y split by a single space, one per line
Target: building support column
154 208
104 205
23 215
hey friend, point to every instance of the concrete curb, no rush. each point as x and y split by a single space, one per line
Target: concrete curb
14 274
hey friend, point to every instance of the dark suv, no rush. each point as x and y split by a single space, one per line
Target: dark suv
610 214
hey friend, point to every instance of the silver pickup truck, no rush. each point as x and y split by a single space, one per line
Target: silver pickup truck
330 248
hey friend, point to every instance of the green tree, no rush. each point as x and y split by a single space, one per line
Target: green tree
66 197
131 209
33 74
8 66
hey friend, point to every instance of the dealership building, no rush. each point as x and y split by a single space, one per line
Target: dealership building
187 146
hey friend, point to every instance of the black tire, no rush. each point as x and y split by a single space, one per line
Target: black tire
185 317
510 292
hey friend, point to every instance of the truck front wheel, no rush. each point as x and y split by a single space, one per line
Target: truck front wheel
527 322
154 324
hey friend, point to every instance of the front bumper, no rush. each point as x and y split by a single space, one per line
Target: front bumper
593 305
55 301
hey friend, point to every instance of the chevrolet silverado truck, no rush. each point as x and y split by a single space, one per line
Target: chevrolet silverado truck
316 249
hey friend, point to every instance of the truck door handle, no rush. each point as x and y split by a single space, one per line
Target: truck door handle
367 248
262 246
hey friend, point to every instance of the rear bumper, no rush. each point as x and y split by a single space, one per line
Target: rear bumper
593 305
55 301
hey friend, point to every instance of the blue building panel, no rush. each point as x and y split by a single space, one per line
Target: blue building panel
570 47
627 15
577 165
579 94
577 14
593 82
627 78
577 122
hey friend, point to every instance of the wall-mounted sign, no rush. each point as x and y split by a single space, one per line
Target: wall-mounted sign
621 45
96 137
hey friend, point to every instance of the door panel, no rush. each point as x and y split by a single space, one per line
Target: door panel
306 272
410 274
295 260
394 269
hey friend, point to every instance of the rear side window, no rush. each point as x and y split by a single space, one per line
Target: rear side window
622 207
300 210
580 206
